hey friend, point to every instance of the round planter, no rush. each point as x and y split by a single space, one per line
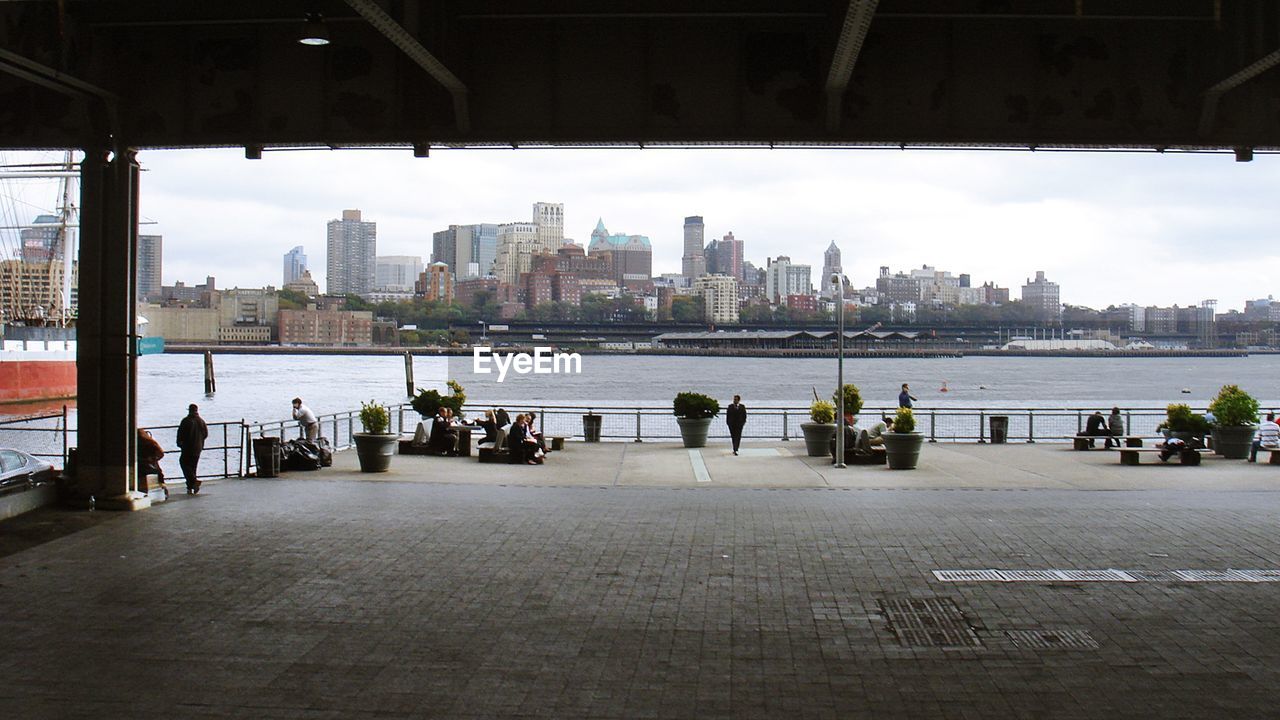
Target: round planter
693 431
1233 441
902 450
375 451
817 438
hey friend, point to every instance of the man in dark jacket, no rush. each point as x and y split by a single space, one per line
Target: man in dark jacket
736 416
191 436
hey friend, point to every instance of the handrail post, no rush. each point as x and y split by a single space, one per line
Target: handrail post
982 427
542 421
785 429
1079 422
65 430
351 427
226 452
638 425
933 426
1031 426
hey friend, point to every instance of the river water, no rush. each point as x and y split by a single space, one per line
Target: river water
259 387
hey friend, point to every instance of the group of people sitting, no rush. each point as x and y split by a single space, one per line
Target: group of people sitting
1111 428
863 441
520 437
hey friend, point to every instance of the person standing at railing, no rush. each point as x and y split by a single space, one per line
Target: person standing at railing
192 433
905 397
306 420
736 416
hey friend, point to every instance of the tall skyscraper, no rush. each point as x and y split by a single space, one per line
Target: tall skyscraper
397 273
549 217
830 266
468 250
694 262
149 265
728 257
295 263
782 278
517 244
1043 295
353 247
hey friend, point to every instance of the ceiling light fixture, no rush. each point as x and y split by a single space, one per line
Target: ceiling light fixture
314 31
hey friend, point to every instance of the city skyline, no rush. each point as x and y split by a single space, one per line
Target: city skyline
1110 228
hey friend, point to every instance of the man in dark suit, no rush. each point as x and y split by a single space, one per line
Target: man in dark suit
192 433
736 416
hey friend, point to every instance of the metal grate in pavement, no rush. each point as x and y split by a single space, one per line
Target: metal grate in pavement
928 622
1110 575
1053 639
1212 576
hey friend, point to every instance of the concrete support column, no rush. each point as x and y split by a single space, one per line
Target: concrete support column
106 329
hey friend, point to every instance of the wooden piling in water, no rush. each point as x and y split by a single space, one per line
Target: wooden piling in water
210 384
408 374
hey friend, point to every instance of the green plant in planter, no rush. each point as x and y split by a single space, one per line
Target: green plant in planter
695 405
822 411
1234 407
374 418
1180 418
852 399
428 402
904 421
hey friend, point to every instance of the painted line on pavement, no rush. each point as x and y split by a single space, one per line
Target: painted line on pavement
699 468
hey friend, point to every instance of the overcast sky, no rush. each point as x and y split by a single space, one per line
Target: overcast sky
1109 227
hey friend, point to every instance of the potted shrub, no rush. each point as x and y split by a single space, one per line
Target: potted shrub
375 446
428 402
821 428
852 400
693 413
902 446
1235 414
1180 422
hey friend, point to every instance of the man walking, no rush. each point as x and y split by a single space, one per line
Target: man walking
905 397
191 436
306 420
736 416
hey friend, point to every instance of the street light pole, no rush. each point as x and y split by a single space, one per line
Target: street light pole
839 459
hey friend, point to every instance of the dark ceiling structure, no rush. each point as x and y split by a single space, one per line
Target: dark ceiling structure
1155 74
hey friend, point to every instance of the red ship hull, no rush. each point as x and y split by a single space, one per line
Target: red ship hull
28 380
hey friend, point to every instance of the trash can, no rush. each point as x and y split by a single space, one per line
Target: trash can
266 455
999 429
591 427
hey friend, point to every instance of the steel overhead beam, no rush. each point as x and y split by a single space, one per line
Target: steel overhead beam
45 76
1211 96
395 32
857 20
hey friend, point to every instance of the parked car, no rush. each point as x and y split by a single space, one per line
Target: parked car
19 469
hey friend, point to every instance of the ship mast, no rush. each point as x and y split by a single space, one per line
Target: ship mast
65 243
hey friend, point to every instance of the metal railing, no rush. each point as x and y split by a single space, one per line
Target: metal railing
49 435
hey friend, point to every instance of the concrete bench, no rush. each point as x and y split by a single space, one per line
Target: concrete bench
1081 442
1187 456
1273 452
555 442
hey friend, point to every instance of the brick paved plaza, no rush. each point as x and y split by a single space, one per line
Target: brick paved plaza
779 588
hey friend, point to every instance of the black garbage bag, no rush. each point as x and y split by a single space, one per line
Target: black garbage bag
326 451
299 455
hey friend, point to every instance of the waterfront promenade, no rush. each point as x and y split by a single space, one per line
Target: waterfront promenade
619 582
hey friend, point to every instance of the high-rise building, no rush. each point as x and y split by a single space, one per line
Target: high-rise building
517 244
40 240
630 256
149 264
436 283
694 262
1043 295
295 263
719 295
831 266
396 273
782 278
352 249
549 217
468 250
724 257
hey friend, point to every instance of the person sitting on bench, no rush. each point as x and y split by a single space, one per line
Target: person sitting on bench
1268 437
1170 447
873 437
1096 426
444 439
1115 427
